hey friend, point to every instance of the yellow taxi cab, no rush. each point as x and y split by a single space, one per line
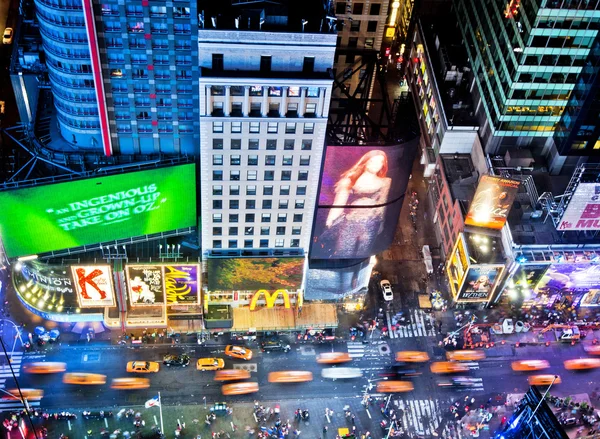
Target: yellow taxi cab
333 357
543 380
210 364
238 352
412 356
290 376
45 367
232 375
88 379
394 386
529 365
448 367
467 355
143 366
239 388
28 394
130 383
582 363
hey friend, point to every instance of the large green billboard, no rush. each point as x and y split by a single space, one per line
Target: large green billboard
101 209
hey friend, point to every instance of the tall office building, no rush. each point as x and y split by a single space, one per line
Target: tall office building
264 102
527 57
121 74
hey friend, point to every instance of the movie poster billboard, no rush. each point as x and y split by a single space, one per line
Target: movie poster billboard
457 265
145 285
182 284
360 198
94 286
528 276
492 202
95 210
255 274
572 276
583 210
479 283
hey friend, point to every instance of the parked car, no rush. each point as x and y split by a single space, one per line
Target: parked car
275 346
176 360
386 289
8 35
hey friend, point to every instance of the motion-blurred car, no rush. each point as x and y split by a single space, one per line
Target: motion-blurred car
130 383
176 360
45 367
232 375
412 356
29 394
582 364
290 376
386 290
210 364
448 367
400 372
465 355
394 386
7 37
239 352
593 349
275 346
85 379
529 365
143 366
336 373
543 380
462 382
239 388
333 357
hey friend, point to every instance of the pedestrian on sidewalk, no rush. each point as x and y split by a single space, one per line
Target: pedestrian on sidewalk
325 428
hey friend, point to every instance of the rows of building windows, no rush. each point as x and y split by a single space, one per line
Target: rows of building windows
234 175
249 243
218 127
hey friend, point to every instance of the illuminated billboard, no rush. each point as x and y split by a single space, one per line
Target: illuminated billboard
182 284
101 209
458 265
145 285
529 275
492 202
255 273
572 276
336 283
583 210
360 198
94 286
479 283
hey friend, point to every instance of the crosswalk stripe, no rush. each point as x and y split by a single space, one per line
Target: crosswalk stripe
424 417
15 405
9 375
416 325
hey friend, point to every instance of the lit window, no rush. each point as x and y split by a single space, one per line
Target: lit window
217 217
217 127
236 127
255 127
279 242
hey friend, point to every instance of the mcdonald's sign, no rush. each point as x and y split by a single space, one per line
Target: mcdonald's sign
270 299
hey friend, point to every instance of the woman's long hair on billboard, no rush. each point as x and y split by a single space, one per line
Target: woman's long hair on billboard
359 168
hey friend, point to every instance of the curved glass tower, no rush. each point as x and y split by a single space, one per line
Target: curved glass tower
65 41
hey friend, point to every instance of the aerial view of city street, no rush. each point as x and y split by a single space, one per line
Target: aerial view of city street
284 219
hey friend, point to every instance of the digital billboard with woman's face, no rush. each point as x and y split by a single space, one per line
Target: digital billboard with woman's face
360 198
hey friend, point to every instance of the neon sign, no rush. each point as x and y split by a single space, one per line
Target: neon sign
512 9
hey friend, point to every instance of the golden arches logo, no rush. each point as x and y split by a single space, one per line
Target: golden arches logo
270 299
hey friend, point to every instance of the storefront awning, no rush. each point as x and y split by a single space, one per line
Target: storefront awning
281 319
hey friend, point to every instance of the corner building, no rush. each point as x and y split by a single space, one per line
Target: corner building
264 103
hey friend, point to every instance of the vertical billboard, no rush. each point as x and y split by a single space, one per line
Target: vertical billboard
583 210
492 202
458 264
479 283
94 286
182 284
360 197
145 285
83 212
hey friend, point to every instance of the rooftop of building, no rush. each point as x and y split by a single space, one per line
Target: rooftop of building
27 49
462 177
452 70
307 16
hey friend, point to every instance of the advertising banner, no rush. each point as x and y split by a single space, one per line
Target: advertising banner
76 213
360 198
583 211
529 275
336 283
582 275
479 283
94 285
145 285
457 265
492 202
255 274
182 284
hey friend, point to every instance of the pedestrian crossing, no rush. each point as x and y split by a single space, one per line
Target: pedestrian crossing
425 418
377 349
356 349
418 324
6 376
